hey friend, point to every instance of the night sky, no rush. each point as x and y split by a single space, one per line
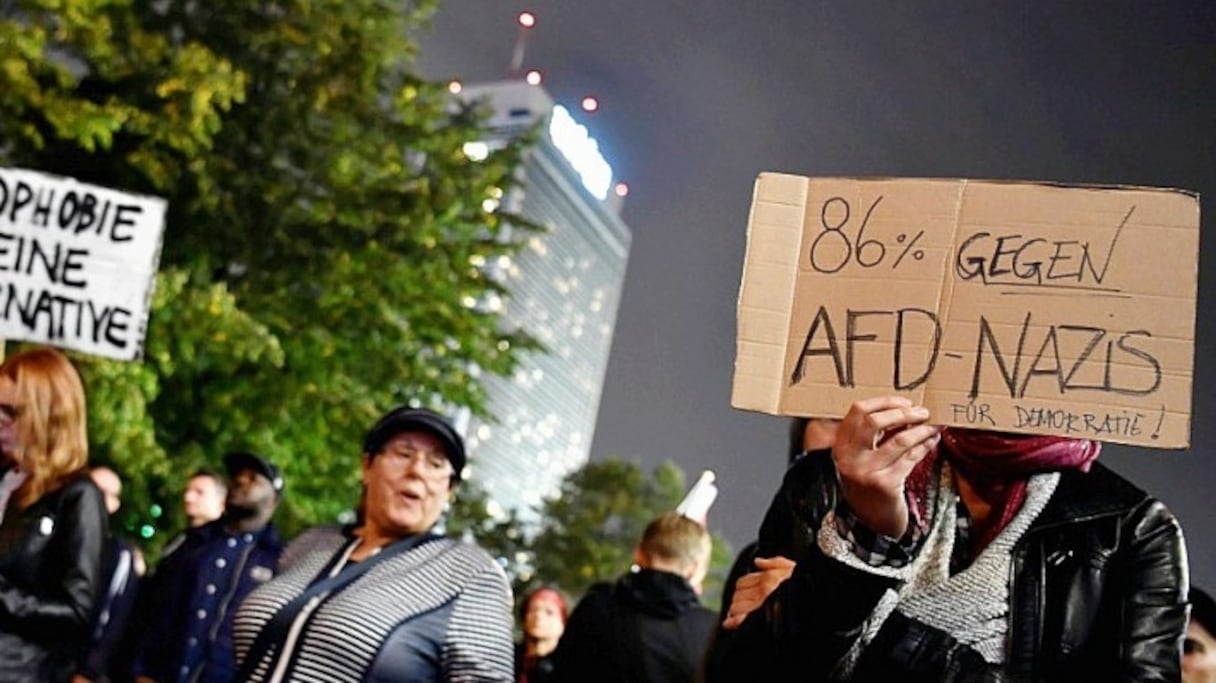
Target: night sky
698 98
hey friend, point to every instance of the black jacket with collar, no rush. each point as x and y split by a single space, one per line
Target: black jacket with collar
52 556
182 576
1098 592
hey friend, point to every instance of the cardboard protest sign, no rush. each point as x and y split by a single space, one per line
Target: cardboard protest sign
77 263
1022 307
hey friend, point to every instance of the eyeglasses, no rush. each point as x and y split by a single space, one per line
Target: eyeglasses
430 464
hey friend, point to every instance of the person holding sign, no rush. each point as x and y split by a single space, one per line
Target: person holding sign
55 525
965 555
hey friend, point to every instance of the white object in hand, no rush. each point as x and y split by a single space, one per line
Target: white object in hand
700 497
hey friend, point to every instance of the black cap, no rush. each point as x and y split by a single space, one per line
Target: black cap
406 419
240 460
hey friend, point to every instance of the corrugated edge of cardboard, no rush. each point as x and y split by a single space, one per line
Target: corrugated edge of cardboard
763 334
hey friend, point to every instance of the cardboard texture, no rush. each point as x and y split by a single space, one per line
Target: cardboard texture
1013 306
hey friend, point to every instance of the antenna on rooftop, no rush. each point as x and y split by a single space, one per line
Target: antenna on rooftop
526 21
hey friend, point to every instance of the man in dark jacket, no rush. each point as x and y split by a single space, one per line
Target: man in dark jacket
198 587
124 567
648 626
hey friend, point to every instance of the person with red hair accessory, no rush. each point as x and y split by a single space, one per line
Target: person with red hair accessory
544 612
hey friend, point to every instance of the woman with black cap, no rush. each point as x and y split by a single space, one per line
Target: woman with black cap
386 598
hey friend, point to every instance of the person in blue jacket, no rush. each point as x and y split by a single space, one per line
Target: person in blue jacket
198 587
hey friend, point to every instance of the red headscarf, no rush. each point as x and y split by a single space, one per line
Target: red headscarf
998 465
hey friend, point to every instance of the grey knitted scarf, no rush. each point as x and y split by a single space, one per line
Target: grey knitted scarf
972 605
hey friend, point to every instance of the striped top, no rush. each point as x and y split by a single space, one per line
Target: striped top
441 611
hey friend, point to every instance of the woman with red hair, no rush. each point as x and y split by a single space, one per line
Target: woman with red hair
544 614
55 524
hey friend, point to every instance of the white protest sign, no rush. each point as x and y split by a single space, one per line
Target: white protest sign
77 263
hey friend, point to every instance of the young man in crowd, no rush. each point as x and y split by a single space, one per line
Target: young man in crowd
199 585
649 626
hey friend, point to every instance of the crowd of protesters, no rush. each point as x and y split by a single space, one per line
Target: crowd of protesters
894 550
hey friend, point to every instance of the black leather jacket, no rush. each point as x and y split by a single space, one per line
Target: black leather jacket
51 559
1098 592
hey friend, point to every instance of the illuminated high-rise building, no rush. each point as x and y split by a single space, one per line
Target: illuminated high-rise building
564 289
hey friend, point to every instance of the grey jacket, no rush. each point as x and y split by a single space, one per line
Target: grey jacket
439 611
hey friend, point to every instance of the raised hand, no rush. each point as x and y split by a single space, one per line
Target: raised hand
878 443
751 589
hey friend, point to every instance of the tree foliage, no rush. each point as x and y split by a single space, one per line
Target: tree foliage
506 539
323 237
321 258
